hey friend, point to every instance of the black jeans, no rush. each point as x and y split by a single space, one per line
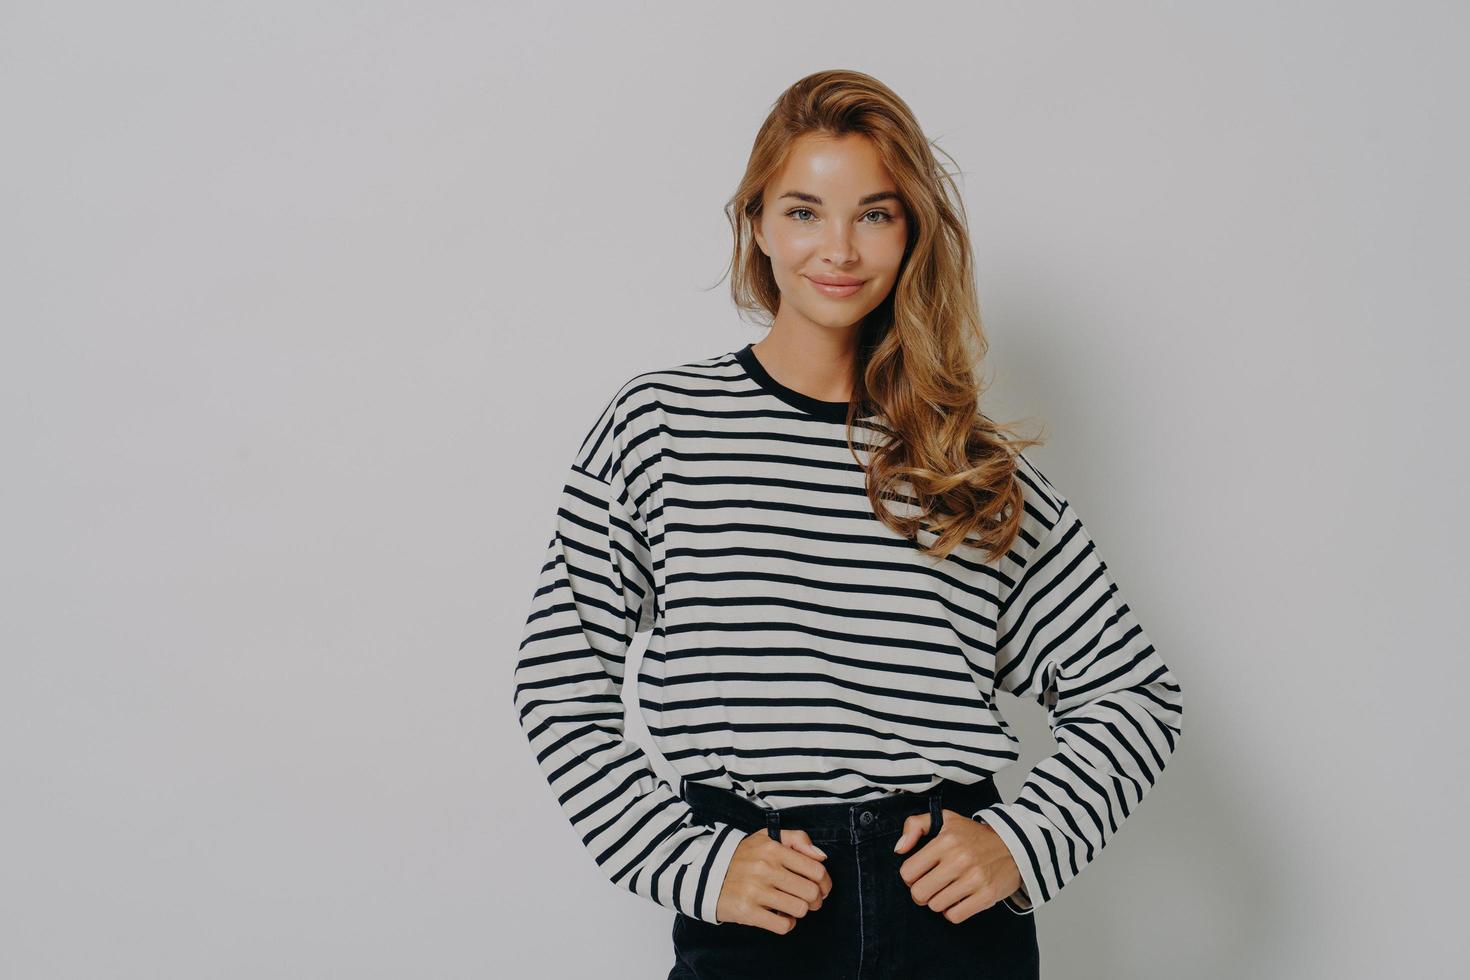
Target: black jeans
869 927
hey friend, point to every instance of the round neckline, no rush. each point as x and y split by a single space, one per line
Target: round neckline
825 410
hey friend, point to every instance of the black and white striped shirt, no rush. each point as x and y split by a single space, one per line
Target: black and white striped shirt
802 652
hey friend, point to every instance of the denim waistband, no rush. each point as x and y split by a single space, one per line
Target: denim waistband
840 822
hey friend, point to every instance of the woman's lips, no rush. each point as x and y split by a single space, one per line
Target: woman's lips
836 291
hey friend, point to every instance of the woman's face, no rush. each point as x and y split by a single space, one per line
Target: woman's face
832 214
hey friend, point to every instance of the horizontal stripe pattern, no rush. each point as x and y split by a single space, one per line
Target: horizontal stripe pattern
799 651
1067 639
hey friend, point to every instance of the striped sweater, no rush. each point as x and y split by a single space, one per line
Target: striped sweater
802 652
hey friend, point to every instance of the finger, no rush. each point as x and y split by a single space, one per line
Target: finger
797 839
914 828
951 894
802 840
930 884
778 900
823 884
803 888
919 864
963 909
807 867
772 921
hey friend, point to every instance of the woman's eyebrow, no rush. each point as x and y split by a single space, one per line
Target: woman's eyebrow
870 199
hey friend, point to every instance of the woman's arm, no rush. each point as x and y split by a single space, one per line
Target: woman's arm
1068 640
595 590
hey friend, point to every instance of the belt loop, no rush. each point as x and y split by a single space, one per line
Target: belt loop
773 824
936 813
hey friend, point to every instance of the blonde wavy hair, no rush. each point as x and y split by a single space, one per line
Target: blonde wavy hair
918 349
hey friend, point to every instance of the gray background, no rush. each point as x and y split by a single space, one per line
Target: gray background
306 305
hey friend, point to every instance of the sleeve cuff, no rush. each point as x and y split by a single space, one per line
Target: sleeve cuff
1018 901
716 865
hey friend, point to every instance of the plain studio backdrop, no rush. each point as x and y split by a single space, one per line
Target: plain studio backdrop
307 305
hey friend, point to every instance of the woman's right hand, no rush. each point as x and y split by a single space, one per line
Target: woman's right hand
771 885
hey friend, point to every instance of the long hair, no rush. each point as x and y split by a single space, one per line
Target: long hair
918 350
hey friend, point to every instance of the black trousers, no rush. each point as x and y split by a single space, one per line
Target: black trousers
869 927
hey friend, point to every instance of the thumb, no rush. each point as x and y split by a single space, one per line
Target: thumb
914 827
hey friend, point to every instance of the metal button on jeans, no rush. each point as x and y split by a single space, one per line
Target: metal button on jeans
867 817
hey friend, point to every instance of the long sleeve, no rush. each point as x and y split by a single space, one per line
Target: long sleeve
596 589
1068 640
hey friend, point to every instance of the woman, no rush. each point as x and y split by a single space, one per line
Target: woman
840 560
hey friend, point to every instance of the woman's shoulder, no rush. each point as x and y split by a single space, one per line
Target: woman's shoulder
633 406
1043 502
633 397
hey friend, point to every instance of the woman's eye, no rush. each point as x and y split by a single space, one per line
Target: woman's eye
883 215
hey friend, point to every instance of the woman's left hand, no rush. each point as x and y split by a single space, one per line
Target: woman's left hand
965 869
